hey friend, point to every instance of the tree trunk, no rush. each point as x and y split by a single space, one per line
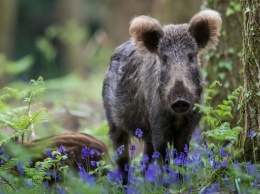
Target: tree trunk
71 60
7 26
250 115
8 10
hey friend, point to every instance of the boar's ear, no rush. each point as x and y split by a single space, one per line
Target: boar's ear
146 33
205 28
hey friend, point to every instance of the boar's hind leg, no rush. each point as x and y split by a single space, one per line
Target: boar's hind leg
121 138
148 150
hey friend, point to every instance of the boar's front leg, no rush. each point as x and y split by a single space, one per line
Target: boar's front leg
159 145
121 141
181 140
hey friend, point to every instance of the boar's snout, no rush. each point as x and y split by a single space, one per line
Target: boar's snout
180 106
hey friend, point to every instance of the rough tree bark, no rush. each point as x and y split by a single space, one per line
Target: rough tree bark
250 112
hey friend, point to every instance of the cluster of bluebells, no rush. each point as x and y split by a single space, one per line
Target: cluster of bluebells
84 175
3 156
188 169
53 173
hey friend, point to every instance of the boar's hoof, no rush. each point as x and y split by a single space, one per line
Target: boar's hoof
180 106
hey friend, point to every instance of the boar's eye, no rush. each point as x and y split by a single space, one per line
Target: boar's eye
164 58
191 57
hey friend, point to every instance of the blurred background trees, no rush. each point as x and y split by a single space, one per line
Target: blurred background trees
66 36
69 44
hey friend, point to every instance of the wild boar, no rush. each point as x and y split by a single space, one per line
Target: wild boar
154 80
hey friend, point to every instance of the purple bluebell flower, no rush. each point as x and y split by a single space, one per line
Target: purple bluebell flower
156 155
132 151
187 177
132 168
174 174
56 175
47 172
186 149
92 153
121 149
93 163
20 167
4 157
152 172
139 133
132 190
224 163
223 153
167 179
81 167
132 148
87 178
232 187
60 190
97 153
143 166
146 158
196 136
196 158
215 187
167 191
115 156
48 152
86 152
252 134
166 168
225 180
62 150
180 160
211 153
174 153
255 184
114 176
2 150
191 188
251 168
46 185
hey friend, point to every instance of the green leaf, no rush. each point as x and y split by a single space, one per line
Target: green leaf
19 66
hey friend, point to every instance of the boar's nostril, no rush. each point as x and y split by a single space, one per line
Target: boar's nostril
180 106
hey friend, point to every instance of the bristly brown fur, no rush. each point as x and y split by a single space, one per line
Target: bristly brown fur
206 21
72 142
